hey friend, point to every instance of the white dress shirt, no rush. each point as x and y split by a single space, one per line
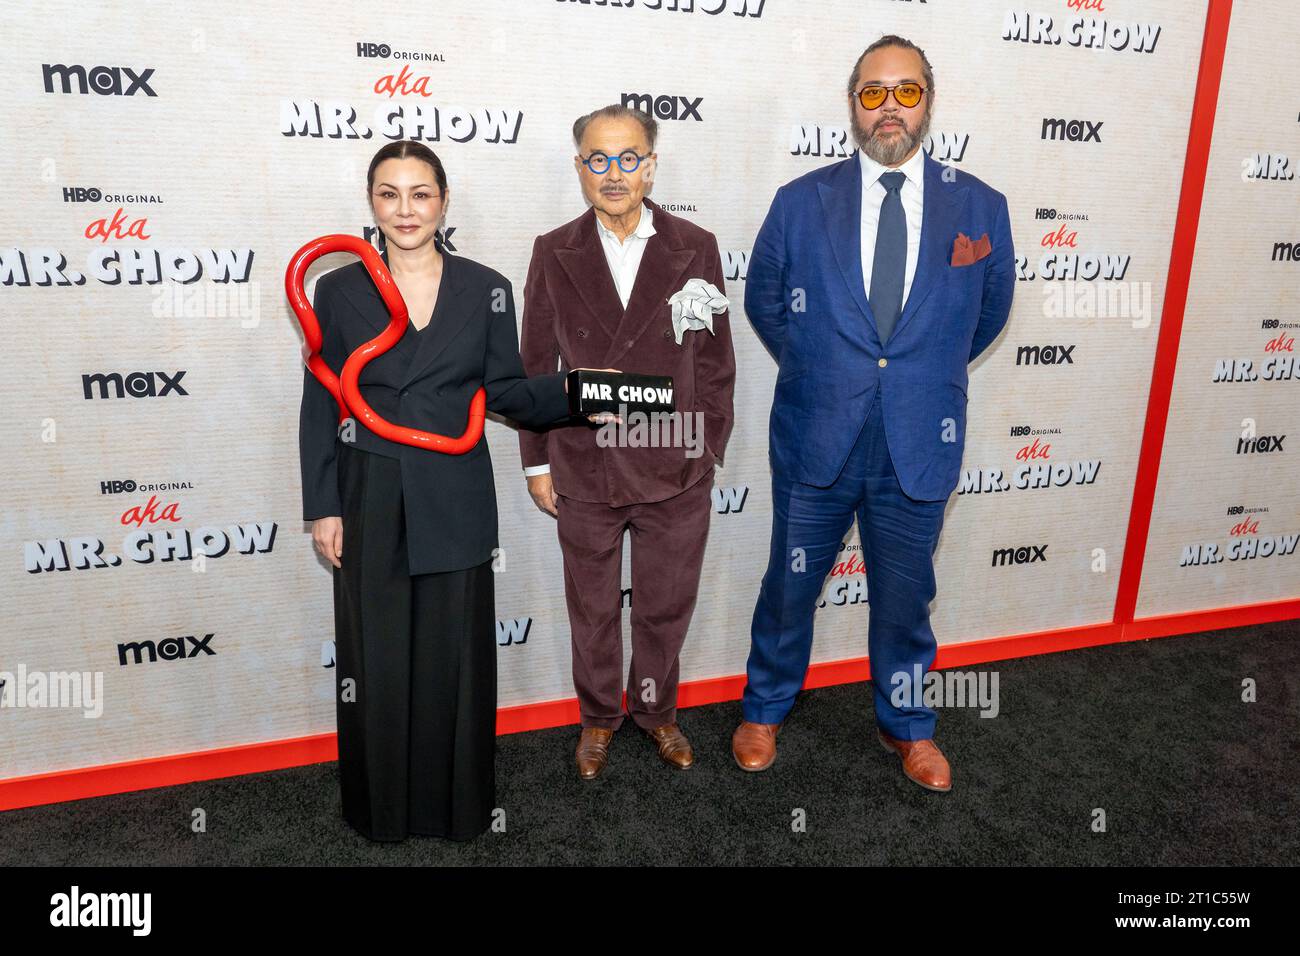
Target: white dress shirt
873 194
624 259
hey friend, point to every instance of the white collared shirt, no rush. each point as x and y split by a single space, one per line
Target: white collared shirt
624 260
624 257
873 194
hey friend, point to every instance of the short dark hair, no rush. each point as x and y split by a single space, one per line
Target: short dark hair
891 39
406 149
617 111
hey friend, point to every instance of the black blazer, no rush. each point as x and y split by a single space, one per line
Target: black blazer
426 381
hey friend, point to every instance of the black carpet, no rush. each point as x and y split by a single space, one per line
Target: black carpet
1154 733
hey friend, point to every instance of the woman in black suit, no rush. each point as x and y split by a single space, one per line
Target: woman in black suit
415 649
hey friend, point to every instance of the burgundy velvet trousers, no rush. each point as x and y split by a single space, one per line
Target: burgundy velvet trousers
667 541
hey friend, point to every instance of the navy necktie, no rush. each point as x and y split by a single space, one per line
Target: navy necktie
890 263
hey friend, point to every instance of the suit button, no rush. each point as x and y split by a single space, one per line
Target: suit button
405 392
883 362
582 333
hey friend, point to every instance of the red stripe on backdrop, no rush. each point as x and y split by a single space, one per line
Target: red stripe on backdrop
1171 319
1211 619
165 771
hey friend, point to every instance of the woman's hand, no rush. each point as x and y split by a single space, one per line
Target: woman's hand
543 492
327 536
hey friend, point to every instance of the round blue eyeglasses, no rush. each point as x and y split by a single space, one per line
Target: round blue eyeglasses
628 161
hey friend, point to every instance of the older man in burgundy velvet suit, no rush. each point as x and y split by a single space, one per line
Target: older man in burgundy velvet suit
597 296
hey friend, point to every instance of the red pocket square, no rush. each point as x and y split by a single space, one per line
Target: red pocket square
964 252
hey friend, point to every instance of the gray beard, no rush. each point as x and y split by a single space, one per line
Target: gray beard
888 151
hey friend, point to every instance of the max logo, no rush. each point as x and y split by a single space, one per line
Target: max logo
666 107
1261 445
104 80
1076 131
135 384
170 649
1045 354
1030 554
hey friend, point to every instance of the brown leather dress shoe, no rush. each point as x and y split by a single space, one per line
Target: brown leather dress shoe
754 745
593 751
674 748
923 761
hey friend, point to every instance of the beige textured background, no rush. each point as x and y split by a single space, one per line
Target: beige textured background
1235 288
211 146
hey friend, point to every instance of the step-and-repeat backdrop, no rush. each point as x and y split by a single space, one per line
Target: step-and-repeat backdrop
164 162
1225 522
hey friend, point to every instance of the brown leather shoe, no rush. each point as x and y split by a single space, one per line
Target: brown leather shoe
923 761
593 751
674 748
754 745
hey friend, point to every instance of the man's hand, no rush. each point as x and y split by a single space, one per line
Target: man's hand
327 536
543 492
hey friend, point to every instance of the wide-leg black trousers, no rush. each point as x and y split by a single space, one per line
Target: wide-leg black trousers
415 665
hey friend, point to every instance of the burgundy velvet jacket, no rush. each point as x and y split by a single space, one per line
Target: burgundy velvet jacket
573 318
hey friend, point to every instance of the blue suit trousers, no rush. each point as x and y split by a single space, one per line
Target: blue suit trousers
899 539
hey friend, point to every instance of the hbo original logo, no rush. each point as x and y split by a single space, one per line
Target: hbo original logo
81 194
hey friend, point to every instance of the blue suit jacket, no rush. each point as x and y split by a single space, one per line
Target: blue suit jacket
804 295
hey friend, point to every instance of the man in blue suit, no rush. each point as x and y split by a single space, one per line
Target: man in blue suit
874 282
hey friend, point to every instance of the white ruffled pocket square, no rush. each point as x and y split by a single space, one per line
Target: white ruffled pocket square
695 305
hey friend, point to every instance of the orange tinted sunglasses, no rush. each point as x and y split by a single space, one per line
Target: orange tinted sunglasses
906 94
